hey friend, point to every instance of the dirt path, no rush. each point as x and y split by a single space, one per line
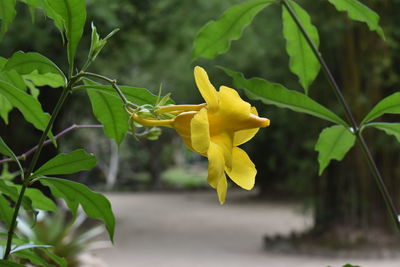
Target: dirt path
193 230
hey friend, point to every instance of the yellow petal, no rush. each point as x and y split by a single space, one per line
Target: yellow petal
182 126
243 136
200 133
225 142
216 164
243 171
207 90
231 106
221 189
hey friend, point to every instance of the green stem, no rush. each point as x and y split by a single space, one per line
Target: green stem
370 161
33 163
110 81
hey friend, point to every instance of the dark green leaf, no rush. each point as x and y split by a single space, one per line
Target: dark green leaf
278 95
390 105
3 62
6 263
26 104
388 128
303 62
26 63
9 190
138 96
110 112
7 15
333 143
73 162
44 5
6 212
215 37
38 199
73 13
33 257
5 150
94 204
5 108
359 12
55 258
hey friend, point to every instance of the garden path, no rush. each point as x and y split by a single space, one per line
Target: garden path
191 229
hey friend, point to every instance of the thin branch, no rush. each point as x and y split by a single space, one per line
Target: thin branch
71 128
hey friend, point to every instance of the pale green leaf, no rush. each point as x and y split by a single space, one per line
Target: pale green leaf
97 44
27 246
359 12
215 37
5 108
333 143
388 128
6 150
6 212
7 15
94 204
26 63
34 258
73 13
30 108
388 105
73 162
47 79
38 199
303 62
110 112
278 95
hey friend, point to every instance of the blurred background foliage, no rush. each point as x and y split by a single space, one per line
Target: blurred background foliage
153 49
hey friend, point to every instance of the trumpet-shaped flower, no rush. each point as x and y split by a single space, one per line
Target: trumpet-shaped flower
215 130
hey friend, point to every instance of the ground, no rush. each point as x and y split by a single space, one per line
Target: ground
192 229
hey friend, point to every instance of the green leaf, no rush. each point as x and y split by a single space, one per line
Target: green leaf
138 96
215 37
27 246
14 78
333 143
62 262
26 63
388 105
33 257
13 194
110 112
278 95
94 204
73 13
44 5
6 263
5 150
38 199
359 12
3 62
26 104
73 162
48 79
5 108
6 212
303 62
7 15
388 128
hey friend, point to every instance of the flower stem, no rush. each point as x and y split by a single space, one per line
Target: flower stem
33 163
349 115
110 81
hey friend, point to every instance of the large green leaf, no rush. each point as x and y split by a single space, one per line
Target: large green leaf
5 108
6 263
73 162
38 199
26 104
34 258
13 194
7 15
73 12
333 143
47 79
94 204
44 5
388 128
6 212
110 112
6 150
215 37
278 95
138 96
390 105
26 63
303 62
359 12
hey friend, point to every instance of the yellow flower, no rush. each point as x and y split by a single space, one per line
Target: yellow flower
215 131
